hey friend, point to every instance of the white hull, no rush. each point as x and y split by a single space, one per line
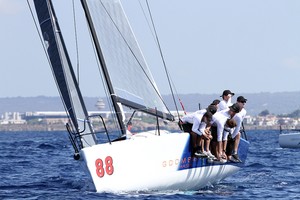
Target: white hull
149 162
289 140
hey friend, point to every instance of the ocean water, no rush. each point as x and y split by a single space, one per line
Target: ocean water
40 165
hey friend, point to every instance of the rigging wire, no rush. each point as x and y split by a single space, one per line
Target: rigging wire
149 26
155 41
162 57
76 40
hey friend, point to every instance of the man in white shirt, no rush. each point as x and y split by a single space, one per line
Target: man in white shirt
226 102
193 124
219 122
236 134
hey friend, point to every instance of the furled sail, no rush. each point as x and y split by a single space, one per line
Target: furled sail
63 71
122 62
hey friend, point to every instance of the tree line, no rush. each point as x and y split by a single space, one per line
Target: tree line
294 114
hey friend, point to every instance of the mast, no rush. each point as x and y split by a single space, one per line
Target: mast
104 68
63 72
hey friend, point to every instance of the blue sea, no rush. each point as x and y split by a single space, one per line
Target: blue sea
40 165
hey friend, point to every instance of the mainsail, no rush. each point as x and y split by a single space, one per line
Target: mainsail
128 77
63 72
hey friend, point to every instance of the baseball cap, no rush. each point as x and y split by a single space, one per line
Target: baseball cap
227 92
241 99
212 109
215 102
235 107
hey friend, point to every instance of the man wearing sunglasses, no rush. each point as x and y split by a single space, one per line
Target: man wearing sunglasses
236 134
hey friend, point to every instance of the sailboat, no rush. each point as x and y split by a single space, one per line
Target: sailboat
154 159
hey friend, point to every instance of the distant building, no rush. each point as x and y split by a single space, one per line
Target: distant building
12 118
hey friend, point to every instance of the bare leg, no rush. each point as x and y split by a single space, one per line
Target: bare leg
220 150
201 144
224 149
207 145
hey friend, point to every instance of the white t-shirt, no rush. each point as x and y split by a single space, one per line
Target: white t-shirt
219 120
224 105
238 117
195 119
189 118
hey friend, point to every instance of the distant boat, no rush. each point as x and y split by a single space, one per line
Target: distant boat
149 160
289 139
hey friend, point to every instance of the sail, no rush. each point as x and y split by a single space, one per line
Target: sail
122 62
63 71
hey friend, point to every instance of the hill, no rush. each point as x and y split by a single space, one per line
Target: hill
275 103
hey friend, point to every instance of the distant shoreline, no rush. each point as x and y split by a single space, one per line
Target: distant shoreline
276 103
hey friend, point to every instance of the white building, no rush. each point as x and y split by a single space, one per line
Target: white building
12 118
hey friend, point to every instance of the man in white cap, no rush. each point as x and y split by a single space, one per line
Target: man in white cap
226 102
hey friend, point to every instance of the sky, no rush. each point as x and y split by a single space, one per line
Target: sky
248 46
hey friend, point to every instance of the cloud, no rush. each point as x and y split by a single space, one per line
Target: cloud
9 7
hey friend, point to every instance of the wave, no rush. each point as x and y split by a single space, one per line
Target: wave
46 146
